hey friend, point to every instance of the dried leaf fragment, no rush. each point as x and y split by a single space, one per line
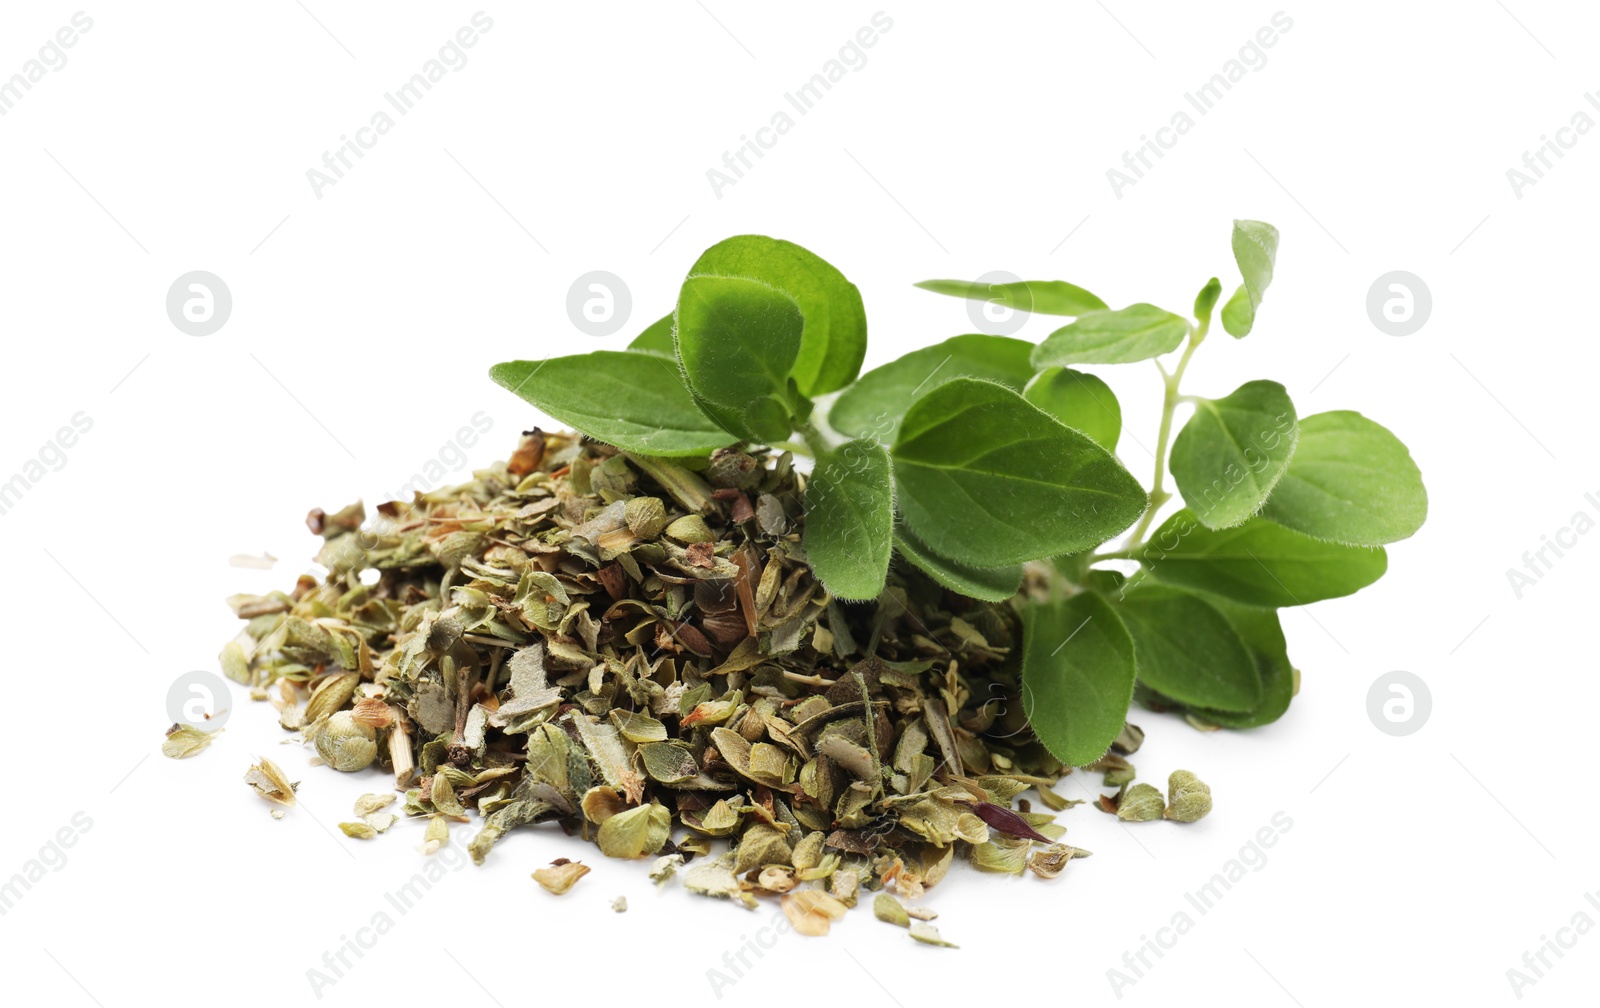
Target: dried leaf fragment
663 868
1005 820
184 741
560 876
714 877
927 934
270 783
436 835
370 803
1141 803
1189 797
636 832
890 910
812 911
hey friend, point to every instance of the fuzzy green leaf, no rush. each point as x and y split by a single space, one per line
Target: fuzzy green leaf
989 584
1077 675
988 479
1350 481
1259 563
874 405
1135 333
1184 648
1078 400
1045 297
1262 633
737 340
1255 249
655 339
634 400
834 340
1233 451
850 519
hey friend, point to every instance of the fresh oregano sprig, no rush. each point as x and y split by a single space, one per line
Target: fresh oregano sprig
982 457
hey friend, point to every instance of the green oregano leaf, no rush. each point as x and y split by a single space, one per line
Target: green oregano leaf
737 340
833 341
1350 481
655 339
1259 563
1184 648
988 479
1262 633
1135 333
1255 249
1206 300
1233 451
988 584
634 400
875 403
1043 297
850 519
1078 400
1077 675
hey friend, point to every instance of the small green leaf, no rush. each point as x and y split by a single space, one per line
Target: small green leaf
850 519
1255 249
1078 400
626 398
1135 333
1262 633
1233 451
874 405
988 584
988 479
834 340
1207 300
737 340
1186 649
1258 563
1350 481
1077 675
656 339
1045 297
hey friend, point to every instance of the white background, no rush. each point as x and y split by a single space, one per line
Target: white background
1377 137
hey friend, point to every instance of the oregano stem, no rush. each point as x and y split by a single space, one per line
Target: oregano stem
1169 404
798 447
809 438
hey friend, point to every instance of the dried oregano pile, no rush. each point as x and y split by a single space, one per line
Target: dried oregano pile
639 652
